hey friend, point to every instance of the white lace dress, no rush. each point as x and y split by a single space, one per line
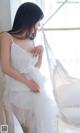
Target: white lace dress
35 110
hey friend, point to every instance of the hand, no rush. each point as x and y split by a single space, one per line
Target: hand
38 50
33 86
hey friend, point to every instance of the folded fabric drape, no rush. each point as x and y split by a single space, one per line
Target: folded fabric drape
66 88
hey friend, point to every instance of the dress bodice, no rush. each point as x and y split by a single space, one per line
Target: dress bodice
22 60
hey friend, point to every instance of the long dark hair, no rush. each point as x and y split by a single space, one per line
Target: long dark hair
25 19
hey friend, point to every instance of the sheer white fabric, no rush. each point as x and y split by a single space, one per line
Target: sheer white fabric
66 90
33 110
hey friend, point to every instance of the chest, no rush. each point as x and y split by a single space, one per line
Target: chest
26 45
21 57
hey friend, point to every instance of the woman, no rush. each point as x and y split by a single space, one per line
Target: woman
25 94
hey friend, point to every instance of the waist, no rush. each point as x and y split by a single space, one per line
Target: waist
29 70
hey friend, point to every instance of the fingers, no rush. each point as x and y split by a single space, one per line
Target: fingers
36 91
37 51
36 88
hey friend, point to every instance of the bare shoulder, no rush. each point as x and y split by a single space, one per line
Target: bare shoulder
5 38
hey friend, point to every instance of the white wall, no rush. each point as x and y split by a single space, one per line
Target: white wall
7 11
14 4
5 15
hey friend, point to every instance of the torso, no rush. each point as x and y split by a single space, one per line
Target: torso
26 44
19 56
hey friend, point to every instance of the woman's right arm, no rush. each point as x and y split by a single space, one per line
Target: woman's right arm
7 67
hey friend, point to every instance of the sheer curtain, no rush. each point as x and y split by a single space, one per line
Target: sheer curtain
62 32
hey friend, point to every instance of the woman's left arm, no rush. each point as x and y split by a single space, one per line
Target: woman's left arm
38 51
